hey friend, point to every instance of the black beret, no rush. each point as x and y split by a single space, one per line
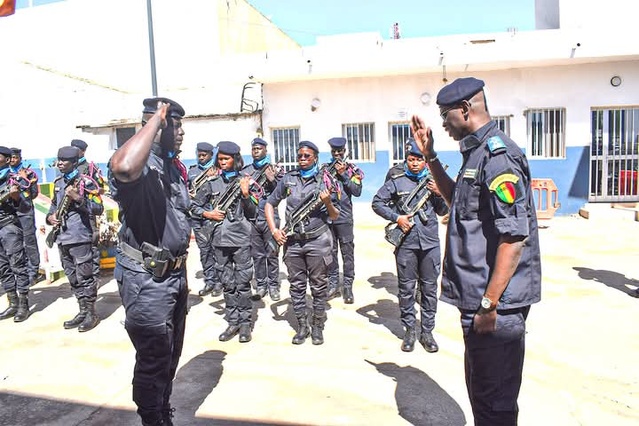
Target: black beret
68 153
459 90
205 146
79 143
16 151
151 105
337 142
413 149
258 141
5 151
308 144
228 148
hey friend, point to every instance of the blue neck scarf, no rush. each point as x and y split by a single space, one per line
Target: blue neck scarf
4 172
228 175
207 165
70 175
417 176
81 160
258 164
17 167
170 154
308 173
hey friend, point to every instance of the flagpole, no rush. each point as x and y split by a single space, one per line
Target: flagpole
149 14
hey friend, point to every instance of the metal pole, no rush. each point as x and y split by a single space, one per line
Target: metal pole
154 81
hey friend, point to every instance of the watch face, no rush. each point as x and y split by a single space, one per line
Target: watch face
485 303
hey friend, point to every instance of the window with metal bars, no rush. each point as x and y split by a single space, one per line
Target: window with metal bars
545 129
285 141
398 134
360 141
503 122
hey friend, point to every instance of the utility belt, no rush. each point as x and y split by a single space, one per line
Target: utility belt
8 220
310 234
157 261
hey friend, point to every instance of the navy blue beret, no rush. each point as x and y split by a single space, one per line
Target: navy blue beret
151 105
16 151
78 143
68 153
228 148
459 90
308 144
337 142
205 146
5 151
413 149
259 141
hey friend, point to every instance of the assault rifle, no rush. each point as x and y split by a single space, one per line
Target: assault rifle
61 215
408 206
197 183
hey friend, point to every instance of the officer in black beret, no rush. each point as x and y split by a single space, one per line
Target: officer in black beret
199 173
265 261
14 273
149 183
75 201
349 177
28 182
226 202
309 244
492 271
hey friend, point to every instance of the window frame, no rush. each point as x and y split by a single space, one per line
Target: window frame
543 139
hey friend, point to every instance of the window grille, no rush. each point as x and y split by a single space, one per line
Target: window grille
285 141
399 133
545 129
360 141
503 122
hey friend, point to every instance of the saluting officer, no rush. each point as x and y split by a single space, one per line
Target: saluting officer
307 252
149 183
492 268
265 261
14 273
418 257
230 238
27 177
198 175
349 177
75 202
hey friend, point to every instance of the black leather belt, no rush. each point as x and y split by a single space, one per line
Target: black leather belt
155 260
310 234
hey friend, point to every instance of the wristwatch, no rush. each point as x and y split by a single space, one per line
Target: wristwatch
487 304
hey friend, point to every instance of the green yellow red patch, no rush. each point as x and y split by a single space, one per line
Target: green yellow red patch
505 187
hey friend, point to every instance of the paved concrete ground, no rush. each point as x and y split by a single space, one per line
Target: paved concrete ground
581 365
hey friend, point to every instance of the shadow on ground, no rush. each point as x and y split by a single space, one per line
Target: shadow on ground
420 400
610 278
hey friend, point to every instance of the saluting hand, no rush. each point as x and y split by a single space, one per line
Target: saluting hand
423 136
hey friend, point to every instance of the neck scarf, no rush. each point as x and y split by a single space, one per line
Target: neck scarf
308 173
418 176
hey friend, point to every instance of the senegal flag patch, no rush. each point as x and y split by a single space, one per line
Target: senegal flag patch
505 187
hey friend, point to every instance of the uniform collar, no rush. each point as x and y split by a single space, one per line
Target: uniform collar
475 139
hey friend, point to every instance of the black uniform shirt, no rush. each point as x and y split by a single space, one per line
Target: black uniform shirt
78 217
267 188
295 189
350 183
491 197
11 207
424 234
154 207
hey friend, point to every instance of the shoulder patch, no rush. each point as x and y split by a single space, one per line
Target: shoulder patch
496 145
505 187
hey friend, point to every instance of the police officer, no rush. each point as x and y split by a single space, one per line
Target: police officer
14 273
149 183
28 182
417 257
265 261
75 201
492 269
232 231
89 168
398 169
198 175
307 252
349 178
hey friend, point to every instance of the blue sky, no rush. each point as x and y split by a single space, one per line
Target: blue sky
303 20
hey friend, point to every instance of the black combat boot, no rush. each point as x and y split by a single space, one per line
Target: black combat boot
208 289
10 312
90 320
303 331
167 416
245 333
408 344
333 290
78 318
23 308
428 342
317 330
154 419
348 295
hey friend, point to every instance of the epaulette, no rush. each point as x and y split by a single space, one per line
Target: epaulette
496 145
